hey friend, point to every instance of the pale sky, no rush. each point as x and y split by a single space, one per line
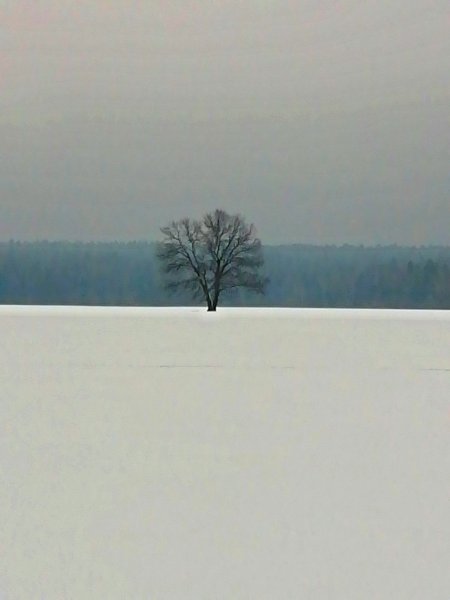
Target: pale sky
321 121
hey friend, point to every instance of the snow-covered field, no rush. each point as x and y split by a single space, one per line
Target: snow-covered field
246 455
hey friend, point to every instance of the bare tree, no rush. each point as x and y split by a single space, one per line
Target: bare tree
212 256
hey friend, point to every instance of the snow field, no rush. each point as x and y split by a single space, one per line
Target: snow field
249 454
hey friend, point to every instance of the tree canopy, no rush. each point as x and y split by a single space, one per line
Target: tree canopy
211 256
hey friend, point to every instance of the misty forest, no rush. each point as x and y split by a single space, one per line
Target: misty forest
127 274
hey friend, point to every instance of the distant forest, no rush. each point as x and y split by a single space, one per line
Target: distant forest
127 274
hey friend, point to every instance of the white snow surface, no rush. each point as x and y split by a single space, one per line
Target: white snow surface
252 454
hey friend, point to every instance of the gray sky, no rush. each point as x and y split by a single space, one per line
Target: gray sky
321 121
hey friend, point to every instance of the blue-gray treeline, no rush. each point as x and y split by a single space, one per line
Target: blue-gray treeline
127 274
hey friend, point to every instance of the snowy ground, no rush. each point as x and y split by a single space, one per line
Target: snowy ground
245 455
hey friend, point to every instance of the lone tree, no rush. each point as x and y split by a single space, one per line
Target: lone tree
217 254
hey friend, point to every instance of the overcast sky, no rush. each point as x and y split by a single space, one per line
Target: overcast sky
321 121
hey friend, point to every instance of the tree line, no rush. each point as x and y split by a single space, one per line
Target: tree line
127 274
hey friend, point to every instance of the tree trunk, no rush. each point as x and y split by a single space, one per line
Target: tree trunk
214 303
216 293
